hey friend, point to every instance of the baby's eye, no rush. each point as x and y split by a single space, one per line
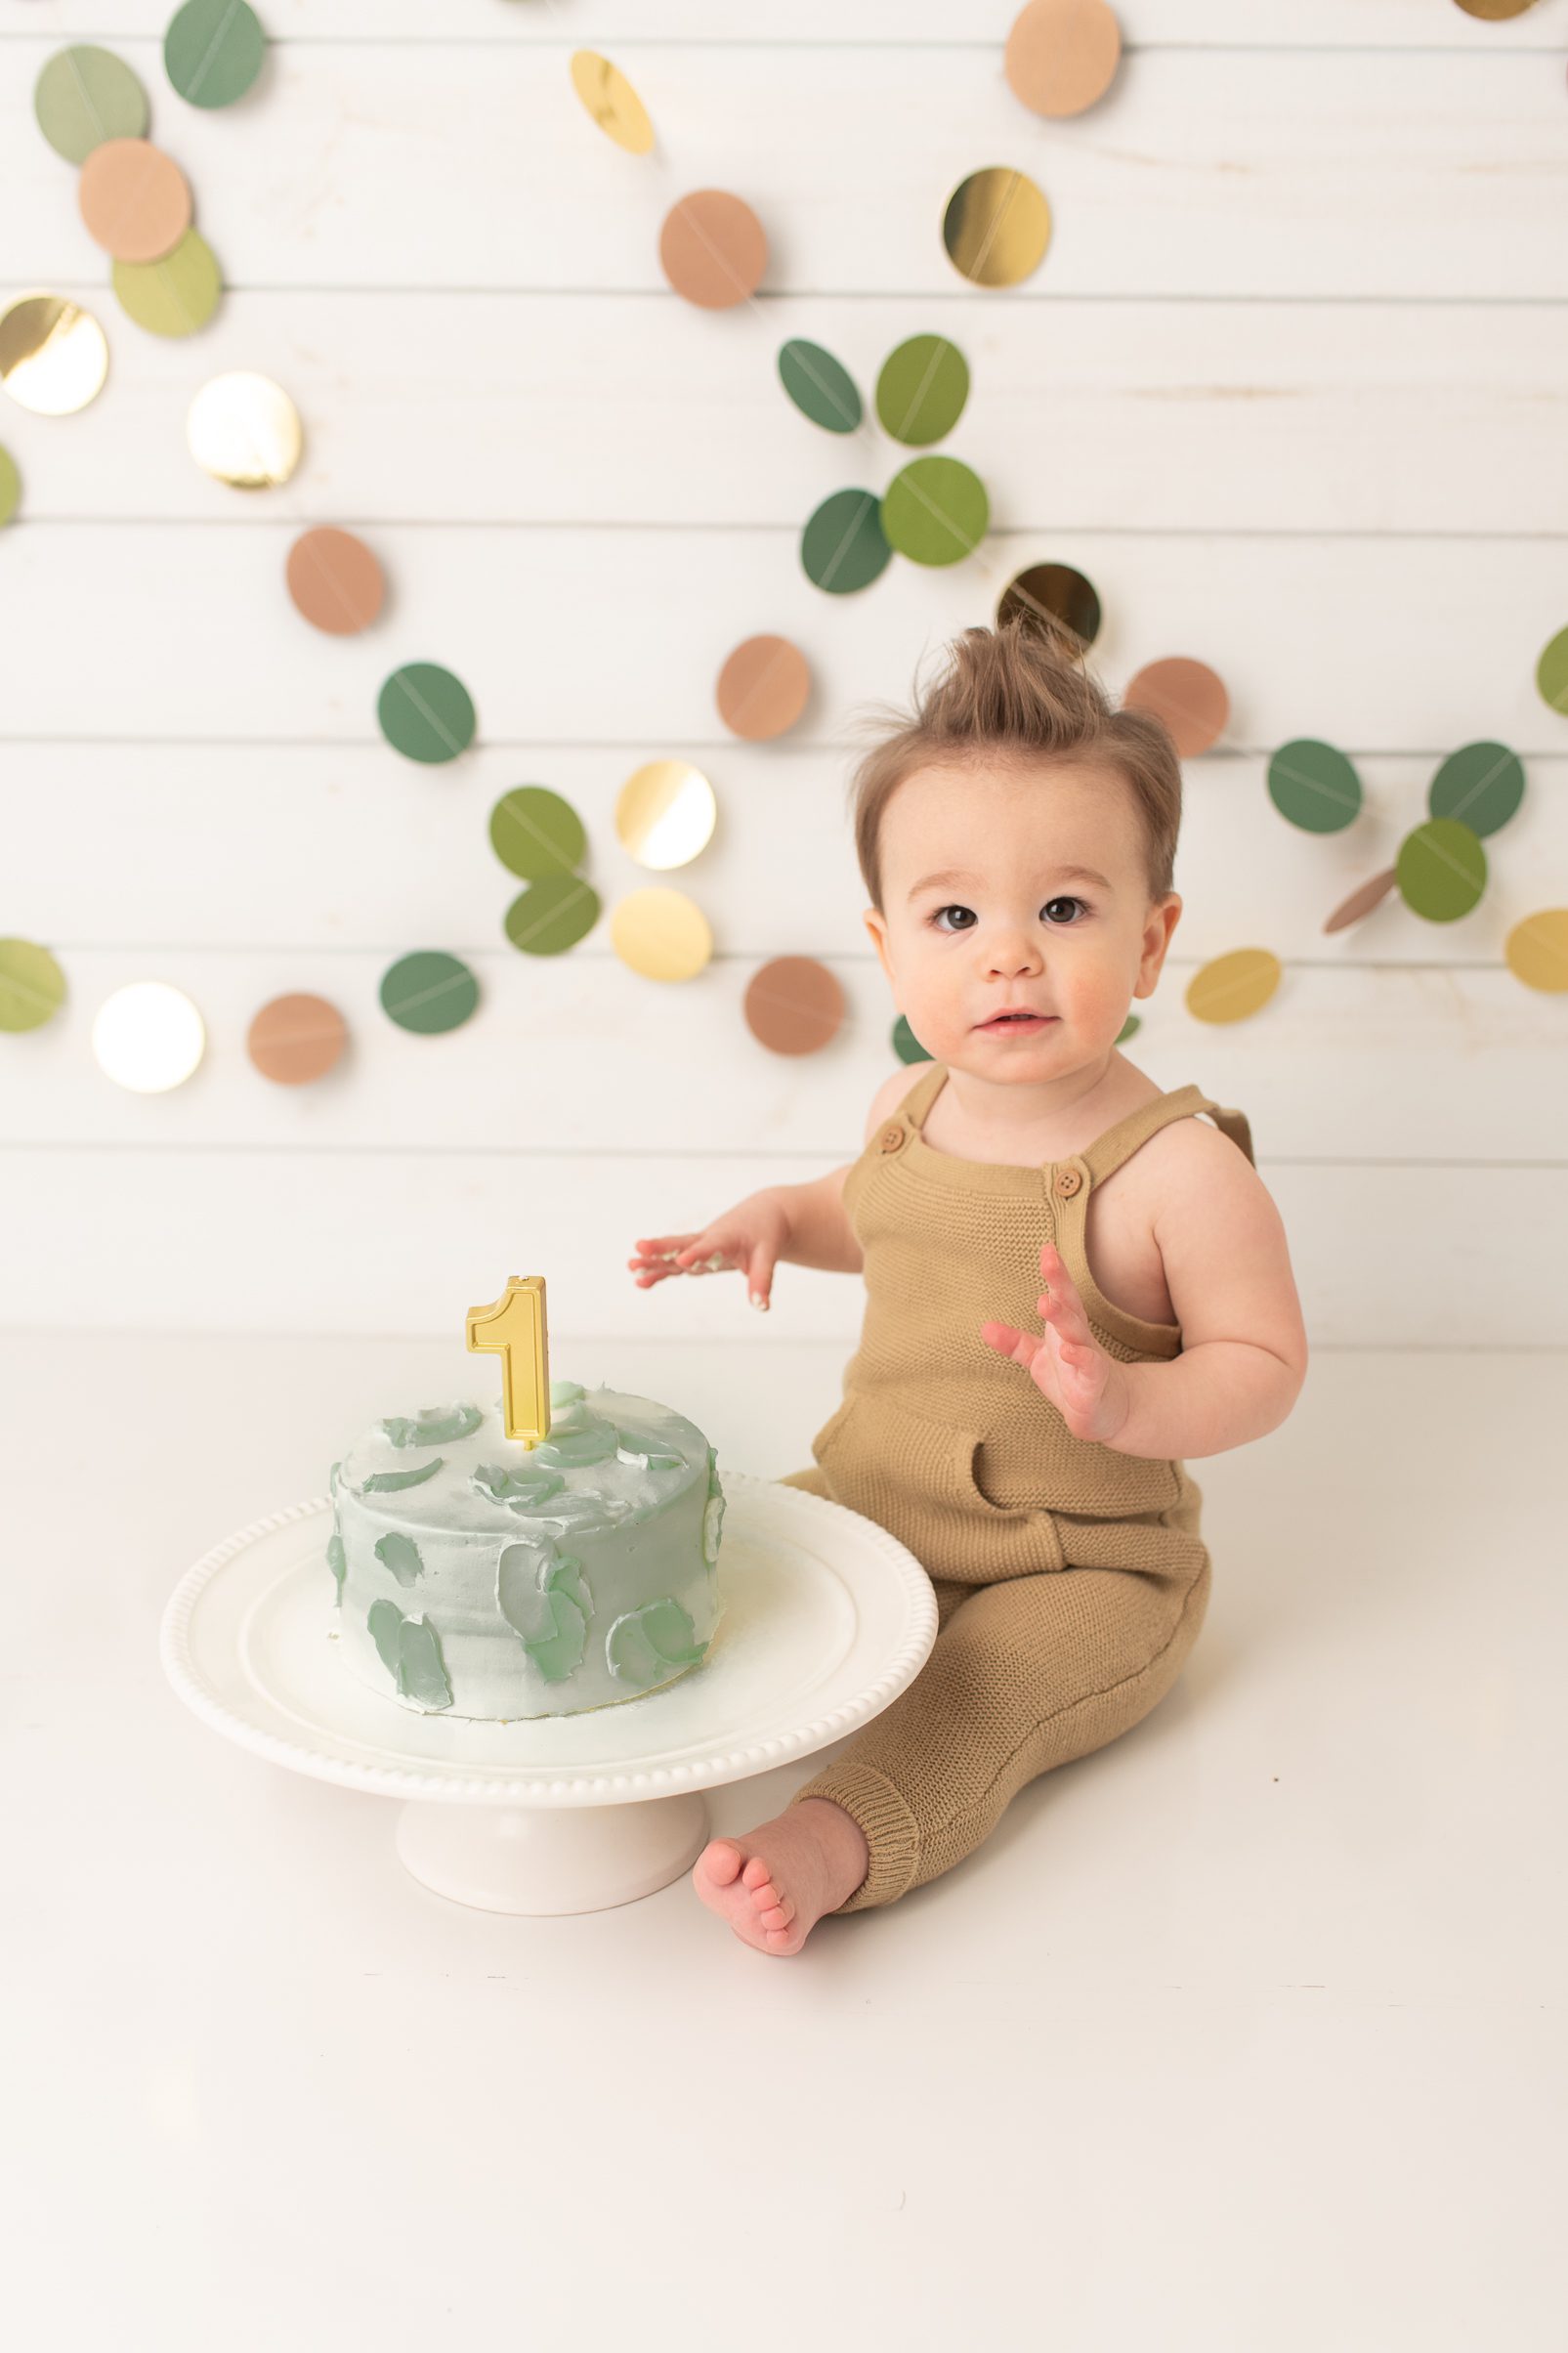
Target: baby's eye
938 924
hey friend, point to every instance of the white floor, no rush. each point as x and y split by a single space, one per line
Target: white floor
1245 2033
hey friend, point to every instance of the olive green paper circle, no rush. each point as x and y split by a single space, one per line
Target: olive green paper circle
173 296
935 511
843 547
820 387
1129 1029
552 914
922 390
905 1045
534 832
425 712
32 986
428 992
84 96
9 485
1551 672
1481 784
1441 869
213 51
1314 786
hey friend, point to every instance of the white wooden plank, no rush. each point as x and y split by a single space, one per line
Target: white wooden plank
459 405
1384 1256
1286 171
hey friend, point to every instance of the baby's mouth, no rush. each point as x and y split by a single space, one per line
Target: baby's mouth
1018 1021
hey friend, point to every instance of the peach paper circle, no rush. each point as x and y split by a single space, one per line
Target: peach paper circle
1062 55
762 688
712 249
335 580
1363 900
1188 696
295 1039
133 199
793 1004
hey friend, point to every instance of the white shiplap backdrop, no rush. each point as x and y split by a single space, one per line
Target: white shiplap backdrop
1288 386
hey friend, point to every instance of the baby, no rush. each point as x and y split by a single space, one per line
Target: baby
1072 1281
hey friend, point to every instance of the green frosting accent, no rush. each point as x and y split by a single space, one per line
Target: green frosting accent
566 1392
332 1478
386 1624
337 1562
644 1455
434 1426
421 1669
594 1442
520 1487
643 1646
713 1515
387 1483
401 1554
546 1599
713 1486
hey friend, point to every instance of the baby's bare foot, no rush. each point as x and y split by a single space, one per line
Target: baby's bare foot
773 1883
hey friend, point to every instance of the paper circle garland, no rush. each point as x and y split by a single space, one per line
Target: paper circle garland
334 580
613 103
1314 786
429 992
905 1045
793 1004
9 485
1362 901
935 511
1062 55
1441 869
297 1039
1551 672
213 51
174 295
819 386
1231 988
763 688
135 200
712 249
553 914
84 96
1495 12
996 227
1536 949
425 714
534 832
843 546
147 1037
1187 696
1482 785
54 355
244 429
665 814
922 390
1056 590
32 986
661 933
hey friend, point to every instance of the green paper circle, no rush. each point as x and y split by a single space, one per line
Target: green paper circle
1314 786
1441 869
935 511
820 387
213 51
842 547
922 390
552 914
1129 1029
905 1045
428 992
32 986
1551 672
534 832
425 712
84 96
1481 784
9 485
173 296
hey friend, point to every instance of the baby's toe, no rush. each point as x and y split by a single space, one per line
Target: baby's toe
721 1860
756 1872
778 1915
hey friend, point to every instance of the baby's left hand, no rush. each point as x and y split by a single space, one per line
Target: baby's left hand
1068 1365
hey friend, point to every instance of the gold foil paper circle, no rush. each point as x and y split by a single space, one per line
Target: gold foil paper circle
147 1037
245 430
712 249
665 814
661 933
763 688
1495 12
54 355
997 227
1062 55
133 199
1188 696
612 101
1058 591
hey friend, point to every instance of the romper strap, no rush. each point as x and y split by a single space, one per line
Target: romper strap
923 1094
1119 1143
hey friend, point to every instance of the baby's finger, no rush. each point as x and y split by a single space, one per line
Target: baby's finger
759 1276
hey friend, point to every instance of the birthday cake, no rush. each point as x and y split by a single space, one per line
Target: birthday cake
479 1576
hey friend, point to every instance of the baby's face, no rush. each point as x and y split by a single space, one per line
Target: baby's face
980 910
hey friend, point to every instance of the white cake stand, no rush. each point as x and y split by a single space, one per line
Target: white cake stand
827 1618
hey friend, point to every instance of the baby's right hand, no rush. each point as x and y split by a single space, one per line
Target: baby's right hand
748 1239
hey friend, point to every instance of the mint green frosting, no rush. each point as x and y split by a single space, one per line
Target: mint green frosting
551 1616
593 1442
713 1514
385 1622
387 1483
434 1426
566 1392
645 1644
645 1456
410 1652
401 1554
515 1487
337 1562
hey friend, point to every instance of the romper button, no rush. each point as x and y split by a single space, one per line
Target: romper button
891 1138
1068 1182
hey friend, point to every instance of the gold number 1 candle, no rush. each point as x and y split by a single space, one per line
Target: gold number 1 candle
513 1329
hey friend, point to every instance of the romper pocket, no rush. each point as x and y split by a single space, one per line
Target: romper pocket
915 1476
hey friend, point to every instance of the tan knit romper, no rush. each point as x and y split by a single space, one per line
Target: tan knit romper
1070 1580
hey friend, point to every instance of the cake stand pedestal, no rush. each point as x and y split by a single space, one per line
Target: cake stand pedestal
827 1618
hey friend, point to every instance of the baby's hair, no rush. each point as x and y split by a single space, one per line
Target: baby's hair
1020 690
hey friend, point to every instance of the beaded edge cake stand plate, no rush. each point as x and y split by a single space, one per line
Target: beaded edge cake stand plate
827 1618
